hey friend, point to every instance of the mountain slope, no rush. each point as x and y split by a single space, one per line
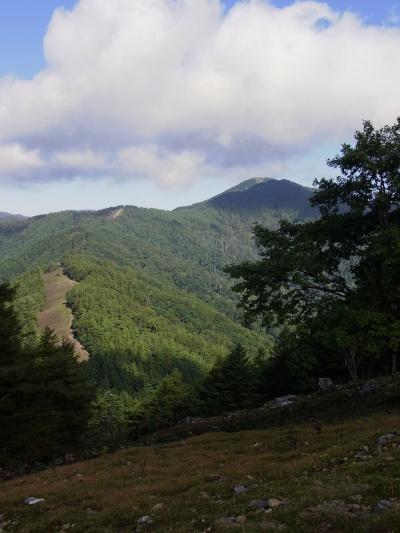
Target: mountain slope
323 481
168 303
9 216
264 193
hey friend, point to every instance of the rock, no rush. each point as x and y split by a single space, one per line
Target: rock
368 388
258 504
382 505
240 489
325 385
284 401
385 439
226 523
273 503
33 501
241 519
158 507
143 520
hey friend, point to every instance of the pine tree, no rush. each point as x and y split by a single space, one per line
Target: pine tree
62 398
15 382
231 384
45 394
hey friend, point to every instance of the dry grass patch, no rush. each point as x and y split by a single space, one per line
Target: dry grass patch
319 482
56 315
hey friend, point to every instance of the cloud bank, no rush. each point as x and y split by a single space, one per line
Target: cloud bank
175 90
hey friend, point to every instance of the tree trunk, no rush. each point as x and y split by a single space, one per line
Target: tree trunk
394 363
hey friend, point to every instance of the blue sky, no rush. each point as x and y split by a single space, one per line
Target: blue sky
89 134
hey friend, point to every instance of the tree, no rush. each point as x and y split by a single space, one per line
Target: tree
61 398
45 394
348 261
164 406
231 384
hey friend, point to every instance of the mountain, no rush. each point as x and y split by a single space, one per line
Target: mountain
264 193
152 294
8 216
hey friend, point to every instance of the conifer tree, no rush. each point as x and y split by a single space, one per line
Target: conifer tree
231 384
44 394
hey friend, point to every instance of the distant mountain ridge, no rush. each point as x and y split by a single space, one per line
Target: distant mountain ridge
5 216
263 193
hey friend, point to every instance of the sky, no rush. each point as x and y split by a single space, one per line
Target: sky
162 103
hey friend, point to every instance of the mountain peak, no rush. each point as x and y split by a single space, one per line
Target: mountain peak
263 193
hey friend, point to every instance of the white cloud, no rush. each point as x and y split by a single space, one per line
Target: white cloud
16 160
177 89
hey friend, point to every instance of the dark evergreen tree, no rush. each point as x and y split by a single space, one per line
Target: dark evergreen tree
231 384
15 382
165 405
45 394
61 400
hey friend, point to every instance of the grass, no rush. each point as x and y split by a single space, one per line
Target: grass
56 315
324 481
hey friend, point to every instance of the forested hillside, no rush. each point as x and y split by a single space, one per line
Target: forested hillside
152 295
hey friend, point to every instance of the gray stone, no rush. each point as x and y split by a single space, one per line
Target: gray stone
382 505
284 401
258 504
143 520
240 489
33 501
385 439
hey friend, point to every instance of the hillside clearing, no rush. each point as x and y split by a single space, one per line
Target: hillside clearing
56 315
324 482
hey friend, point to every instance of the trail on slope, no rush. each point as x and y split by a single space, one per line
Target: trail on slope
56 315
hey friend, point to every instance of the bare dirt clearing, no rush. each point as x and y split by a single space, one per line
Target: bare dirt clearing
56 315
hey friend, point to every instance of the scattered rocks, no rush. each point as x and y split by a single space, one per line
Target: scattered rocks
337 507
382 505
144 520
33 501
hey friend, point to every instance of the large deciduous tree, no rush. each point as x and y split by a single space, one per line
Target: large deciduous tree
345 264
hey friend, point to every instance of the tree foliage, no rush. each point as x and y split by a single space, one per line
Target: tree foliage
342 269
45 394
